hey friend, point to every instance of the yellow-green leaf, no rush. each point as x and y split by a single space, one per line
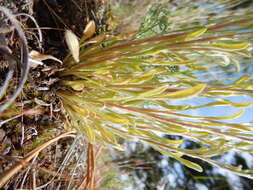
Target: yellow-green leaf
190 164
185 162
172 107
185 93
174 129
174 62
224 103
146 76
96 39
241 79
233 116
155 137
196 33
90 133
114 118
153 92
232 47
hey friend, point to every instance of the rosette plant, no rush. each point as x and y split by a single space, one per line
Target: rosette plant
129 86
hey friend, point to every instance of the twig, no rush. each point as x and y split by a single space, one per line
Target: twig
4 177
26 173
54 13
35 23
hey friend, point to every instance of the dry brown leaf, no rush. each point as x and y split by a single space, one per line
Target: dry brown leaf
89 29
36 58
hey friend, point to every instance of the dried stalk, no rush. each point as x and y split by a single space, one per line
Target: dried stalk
18 166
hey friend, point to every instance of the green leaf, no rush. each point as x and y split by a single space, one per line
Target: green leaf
186 93
224 102
107 135
241 79
145 76
174 129
90 132
185 162
153 92
197 33
155 137
172 107
183 62
196 67
114 118
233 116
232 47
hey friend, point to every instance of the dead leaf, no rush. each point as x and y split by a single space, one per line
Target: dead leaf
73 44
41 102
36 58
89 29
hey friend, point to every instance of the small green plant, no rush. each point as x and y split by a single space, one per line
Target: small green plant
124 88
